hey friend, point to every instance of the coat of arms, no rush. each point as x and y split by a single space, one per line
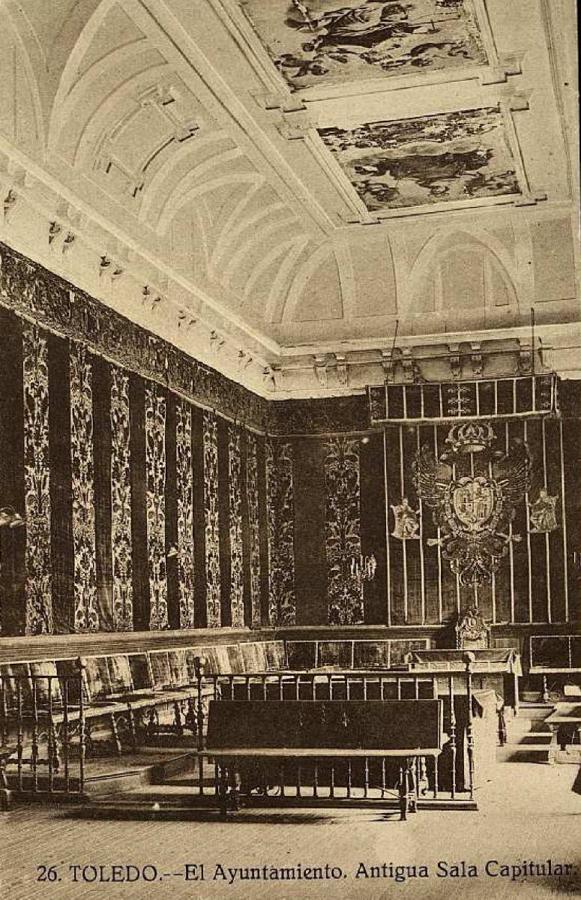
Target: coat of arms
473 491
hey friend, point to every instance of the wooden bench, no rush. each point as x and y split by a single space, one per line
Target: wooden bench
242 732
557 655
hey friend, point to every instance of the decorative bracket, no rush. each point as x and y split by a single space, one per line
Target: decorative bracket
476 357
507 66
342 369
455 360
272 100
297 127
320 368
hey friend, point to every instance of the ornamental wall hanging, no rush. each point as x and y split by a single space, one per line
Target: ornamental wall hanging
473 491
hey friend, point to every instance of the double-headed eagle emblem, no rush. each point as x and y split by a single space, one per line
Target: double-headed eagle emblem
473 491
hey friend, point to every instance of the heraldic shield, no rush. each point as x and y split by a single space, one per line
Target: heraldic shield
474 500
473 491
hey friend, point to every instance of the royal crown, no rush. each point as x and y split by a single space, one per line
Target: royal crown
470 437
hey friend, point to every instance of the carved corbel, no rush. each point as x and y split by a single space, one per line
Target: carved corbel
476 357
10 201
269 378
185 321
320 369
524 364
68 241
342 369
407 362
216 342
104 264
454 360
54 229
388 363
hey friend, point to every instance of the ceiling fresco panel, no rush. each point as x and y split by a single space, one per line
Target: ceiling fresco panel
331 42
455 156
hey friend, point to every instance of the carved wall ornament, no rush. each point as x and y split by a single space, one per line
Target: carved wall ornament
407 523
472 631
473 491
121 528
345 563
83 491
155 474
37 505
252 469
280 521
543 513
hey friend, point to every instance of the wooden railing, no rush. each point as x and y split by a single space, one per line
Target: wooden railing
42 735
449 777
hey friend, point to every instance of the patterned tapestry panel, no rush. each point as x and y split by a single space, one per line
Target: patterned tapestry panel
83 491
343 531
155 464
121 502
279 490
235 507
39 617
254 525
185 509
212 530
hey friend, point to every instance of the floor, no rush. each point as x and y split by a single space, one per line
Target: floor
530 812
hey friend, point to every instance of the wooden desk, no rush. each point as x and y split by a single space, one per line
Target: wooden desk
407 730
564 714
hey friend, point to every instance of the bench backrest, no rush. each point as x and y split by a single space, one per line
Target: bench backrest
319 724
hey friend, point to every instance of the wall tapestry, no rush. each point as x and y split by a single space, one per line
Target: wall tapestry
33 291
37 509
316 42
83 490
185 510
413 162
155 466
343 531
235 507
473 491
121 535
281 553
211 519
254 526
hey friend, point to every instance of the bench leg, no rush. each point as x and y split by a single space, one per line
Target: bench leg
5 793
223 790
403 791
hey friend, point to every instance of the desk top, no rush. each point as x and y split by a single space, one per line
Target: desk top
565 713
302 752
493 660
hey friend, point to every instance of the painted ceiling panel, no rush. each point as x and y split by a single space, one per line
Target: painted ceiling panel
426 160
329 42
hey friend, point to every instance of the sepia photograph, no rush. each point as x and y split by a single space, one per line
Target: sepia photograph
290 450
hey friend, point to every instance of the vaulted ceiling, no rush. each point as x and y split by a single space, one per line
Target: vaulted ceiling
274 184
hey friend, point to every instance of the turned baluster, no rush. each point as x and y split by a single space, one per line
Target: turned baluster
65 734
20 732
469 658
199 665
50 737
82 727
3 712
34 742
452 737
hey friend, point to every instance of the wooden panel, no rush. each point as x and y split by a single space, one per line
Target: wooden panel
348 724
